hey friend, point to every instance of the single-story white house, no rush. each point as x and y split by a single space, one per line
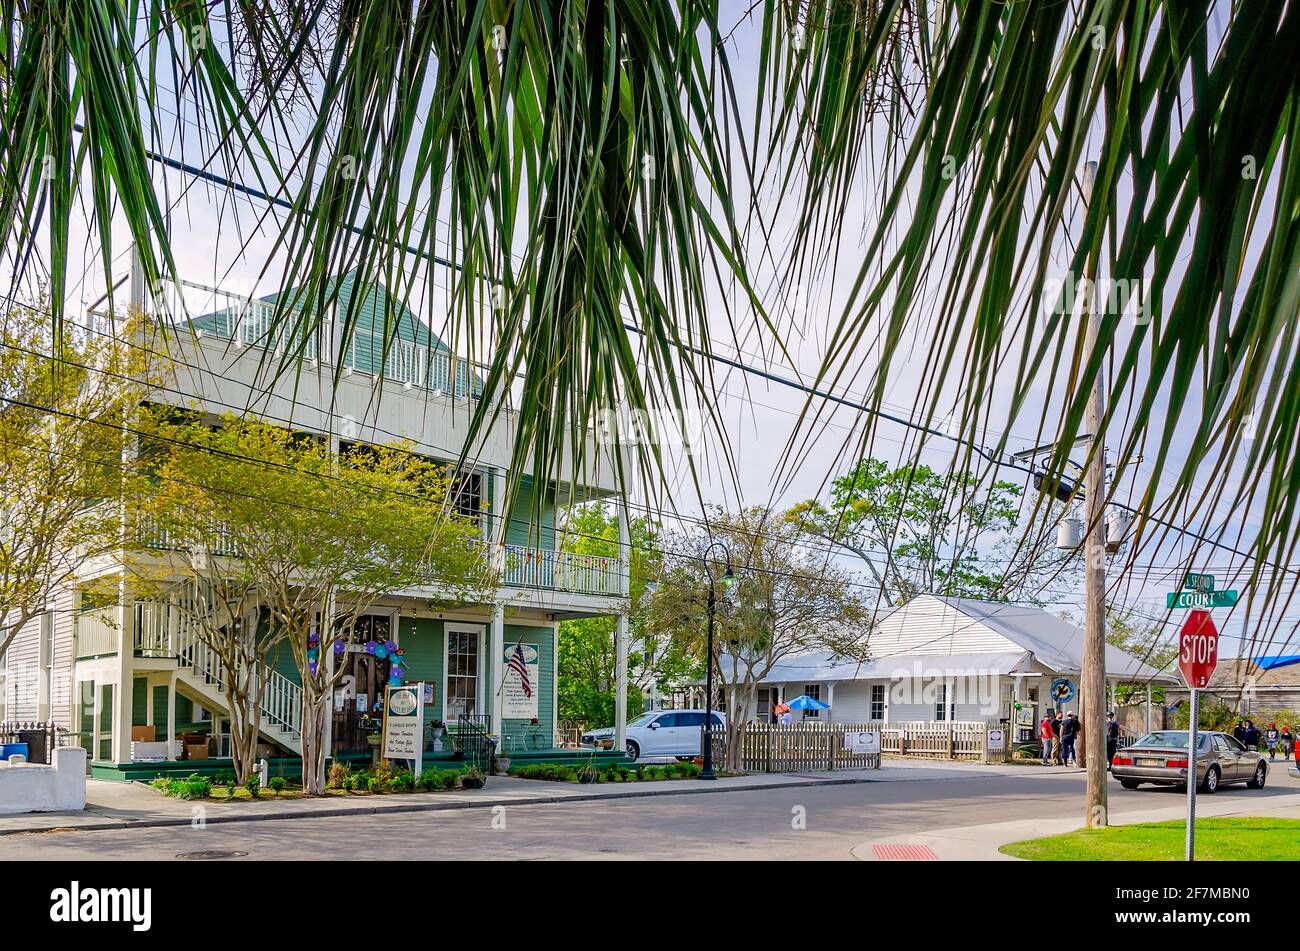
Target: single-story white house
938 658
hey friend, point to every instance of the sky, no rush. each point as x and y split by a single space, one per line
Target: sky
227 240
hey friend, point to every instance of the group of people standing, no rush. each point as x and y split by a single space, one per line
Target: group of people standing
1274 739
1060 735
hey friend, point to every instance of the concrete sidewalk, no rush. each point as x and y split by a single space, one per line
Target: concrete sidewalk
118 805
980 843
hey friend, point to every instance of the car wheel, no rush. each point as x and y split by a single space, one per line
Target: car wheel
1129 783
1210 785
1261 774
633 751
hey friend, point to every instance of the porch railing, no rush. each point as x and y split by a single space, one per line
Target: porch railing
94 634
524 567
163 629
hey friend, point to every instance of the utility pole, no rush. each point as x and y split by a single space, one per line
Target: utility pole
1092 686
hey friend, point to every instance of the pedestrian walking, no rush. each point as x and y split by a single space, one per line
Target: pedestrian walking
1056 738
1252 736
1271 738
1239 733
1069 733
1048 736
1286 742
1112 737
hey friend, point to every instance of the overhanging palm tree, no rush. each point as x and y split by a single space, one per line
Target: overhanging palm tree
591 165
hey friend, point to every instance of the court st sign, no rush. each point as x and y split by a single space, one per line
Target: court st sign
1200 599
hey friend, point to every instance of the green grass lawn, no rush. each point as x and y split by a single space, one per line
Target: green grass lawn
1226 839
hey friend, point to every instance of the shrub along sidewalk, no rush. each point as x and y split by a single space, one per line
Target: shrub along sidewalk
590 773
341 781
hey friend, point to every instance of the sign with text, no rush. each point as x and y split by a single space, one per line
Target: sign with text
1200 599
1198 649
520 682
862 741
997 740
404 722
1199 582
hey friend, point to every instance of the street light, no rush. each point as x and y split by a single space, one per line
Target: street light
728 580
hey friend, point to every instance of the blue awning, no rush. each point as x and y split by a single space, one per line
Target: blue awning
1281 660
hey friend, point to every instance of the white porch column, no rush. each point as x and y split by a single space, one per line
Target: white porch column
496 666
620 629
1148 708
171 716
830 700
124 664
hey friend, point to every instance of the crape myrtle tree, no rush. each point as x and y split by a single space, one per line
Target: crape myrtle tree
321 536
67 402
921 531
787 598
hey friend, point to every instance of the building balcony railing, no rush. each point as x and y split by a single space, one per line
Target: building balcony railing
95 634
518 566
523 567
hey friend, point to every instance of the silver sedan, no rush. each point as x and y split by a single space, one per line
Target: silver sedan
1161 758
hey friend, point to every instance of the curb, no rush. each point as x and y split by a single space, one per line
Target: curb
120 824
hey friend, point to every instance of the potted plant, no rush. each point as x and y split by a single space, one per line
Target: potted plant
473 778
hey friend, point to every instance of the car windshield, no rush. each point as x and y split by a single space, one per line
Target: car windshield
643 719
1171 740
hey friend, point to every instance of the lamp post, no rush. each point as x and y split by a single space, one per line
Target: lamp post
728 579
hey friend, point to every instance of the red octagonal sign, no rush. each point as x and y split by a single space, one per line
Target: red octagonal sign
1198 649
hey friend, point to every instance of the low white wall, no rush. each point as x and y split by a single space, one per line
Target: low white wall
35 787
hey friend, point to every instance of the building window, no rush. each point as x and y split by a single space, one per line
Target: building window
815 692
462 673
467 494
877 701
941 702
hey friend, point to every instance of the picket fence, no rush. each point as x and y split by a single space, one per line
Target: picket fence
776 748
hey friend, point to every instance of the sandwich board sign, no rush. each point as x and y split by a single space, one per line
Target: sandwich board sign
404 723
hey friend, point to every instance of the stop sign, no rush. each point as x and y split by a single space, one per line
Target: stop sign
1198 649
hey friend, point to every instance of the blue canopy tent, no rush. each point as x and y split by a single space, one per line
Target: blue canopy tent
805 702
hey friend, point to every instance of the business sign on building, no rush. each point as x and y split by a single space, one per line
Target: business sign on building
404 722
521 682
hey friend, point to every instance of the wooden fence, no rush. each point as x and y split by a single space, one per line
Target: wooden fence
774 748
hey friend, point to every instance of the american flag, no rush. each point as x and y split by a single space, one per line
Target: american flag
520 666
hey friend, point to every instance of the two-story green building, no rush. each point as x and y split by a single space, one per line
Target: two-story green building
130 682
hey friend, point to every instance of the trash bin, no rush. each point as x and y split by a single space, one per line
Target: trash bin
13 749
38 745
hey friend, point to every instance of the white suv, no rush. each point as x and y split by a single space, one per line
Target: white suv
658 733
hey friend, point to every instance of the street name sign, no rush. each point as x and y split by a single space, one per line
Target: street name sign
1201 599
1199 582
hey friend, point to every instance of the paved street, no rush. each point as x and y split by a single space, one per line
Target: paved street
758 824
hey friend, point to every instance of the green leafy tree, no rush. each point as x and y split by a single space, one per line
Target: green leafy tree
1146 640
66 406
920 531
319 538
587 650
785 599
